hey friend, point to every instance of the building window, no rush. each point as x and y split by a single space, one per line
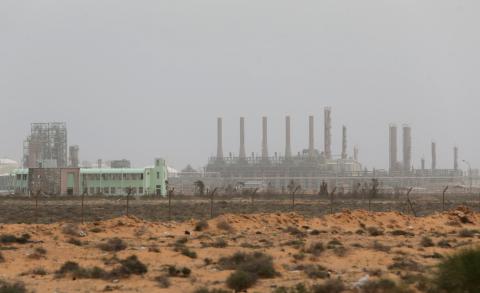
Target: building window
105 190
140 190
24 176
112 190
98 190
141 176
92 190
158 175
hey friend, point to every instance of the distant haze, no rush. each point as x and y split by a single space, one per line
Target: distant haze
141 79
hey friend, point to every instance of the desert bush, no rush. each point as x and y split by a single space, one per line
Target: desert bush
220 243
381 247
256 263
2 259
38 271
315 248
214 290
9 238
113 244
75 241
294 231
183 272
459 273
402 263
201 225
334 243
299 288
374 231
224 225
330 286
466 233
38 252
96 230
340 251
189 253
73 230
444 243
384 286
76 271
163 281
17 287
426 242
241 280
402 233
316 271
132 266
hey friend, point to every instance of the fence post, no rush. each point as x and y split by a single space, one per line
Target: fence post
36 206
409 202
211 202
443 198
83 196
331 199
170 191
129 190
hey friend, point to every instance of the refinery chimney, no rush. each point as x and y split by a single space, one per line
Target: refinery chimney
328 133
455 158
407 148
219 139
355 153
74 160
311 138
242 155
288 146
434 156
344 142
393 147
264 139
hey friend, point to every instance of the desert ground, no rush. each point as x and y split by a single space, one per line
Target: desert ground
129 254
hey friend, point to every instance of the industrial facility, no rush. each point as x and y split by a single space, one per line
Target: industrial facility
311 168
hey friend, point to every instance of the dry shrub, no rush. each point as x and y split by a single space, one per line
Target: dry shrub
427 242
241 280
378 246
201 226
73 230
315 248
113 244
224 225
375 231
182 272
384 286
316 271
163 281
17 287
9 239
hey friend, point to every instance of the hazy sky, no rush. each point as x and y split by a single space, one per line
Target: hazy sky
145 79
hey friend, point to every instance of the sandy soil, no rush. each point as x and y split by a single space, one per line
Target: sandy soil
357 252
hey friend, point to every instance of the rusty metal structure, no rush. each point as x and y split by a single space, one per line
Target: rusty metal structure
46 146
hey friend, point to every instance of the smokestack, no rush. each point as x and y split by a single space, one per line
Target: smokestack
288 147
407 148
355 153
242 155
99 163
423 164
393 147
344 142
311 138
264 139
434 156
328 133
219 139
74 161
455 158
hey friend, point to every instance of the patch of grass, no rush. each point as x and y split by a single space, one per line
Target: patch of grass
9 239
113 244
163 281
201 226
17 287
241 280
315 248
426 242
459 273
375 231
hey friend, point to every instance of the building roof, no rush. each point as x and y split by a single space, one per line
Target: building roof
112 170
